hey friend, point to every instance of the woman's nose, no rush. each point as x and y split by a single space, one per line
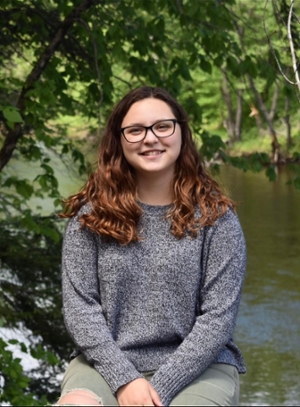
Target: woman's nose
150 136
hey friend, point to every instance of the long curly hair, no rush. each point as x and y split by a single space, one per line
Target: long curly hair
111 189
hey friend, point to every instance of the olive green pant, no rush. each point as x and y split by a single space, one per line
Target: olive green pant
217 386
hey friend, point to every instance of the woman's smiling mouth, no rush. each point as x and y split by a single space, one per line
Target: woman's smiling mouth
152 152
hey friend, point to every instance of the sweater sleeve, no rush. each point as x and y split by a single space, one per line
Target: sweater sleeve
223 267
83 315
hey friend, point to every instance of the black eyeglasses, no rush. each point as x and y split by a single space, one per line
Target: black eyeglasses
161 129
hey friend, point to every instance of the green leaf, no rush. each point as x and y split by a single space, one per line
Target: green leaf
248 67
13 374
12 115
29 223
296 155
57 202
13 341
23 347
233 65
24 189
297 182
205 65
52 358
47 168
239 162
271 173
211 145
52 233
160 25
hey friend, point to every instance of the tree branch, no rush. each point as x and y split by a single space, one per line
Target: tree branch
297 83
274 101
17 132
290 37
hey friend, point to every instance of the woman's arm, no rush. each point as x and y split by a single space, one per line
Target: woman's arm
223 268
83 315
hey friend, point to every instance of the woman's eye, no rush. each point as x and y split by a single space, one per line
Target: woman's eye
134 130
162 127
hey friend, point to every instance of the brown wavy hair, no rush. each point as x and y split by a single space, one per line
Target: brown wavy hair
111 190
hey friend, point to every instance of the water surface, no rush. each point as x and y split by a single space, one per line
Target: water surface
268 328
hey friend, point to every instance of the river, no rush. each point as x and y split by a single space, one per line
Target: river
268 326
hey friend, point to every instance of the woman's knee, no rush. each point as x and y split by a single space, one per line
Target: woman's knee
81 376
217 386
79 397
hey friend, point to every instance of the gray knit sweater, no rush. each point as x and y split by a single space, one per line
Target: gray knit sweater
162 304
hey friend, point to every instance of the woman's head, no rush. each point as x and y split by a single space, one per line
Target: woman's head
136 95
111 144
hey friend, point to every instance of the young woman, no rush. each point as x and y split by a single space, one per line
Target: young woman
153 267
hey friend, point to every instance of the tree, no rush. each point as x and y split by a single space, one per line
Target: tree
74 60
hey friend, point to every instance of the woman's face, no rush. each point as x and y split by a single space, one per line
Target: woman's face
153 154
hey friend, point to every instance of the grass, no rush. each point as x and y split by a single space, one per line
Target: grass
263 144
254 143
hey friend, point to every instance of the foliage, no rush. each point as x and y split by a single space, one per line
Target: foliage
30 293
16 384
69 62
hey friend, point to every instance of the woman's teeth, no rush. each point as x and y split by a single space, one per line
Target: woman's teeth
152 153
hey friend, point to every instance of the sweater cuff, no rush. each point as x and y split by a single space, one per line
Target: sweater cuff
116 371
168 385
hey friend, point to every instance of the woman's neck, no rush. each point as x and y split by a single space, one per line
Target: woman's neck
155 190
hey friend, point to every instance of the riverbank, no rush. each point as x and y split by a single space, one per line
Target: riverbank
263 144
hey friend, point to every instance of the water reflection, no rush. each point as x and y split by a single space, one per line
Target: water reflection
268 329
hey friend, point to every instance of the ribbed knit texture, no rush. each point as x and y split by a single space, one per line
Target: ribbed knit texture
161 304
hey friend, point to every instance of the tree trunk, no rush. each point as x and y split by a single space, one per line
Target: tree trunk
262 107
259 124
229 122
288 123
238 116
274 101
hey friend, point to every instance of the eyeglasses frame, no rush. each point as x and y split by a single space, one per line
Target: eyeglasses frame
175 121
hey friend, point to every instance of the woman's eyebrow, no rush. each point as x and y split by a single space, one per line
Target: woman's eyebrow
140 124
134 124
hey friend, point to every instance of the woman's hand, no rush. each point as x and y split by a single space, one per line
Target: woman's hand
139 392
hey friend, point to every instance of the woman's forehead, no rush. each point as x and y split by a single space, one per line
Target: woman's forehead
147 110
